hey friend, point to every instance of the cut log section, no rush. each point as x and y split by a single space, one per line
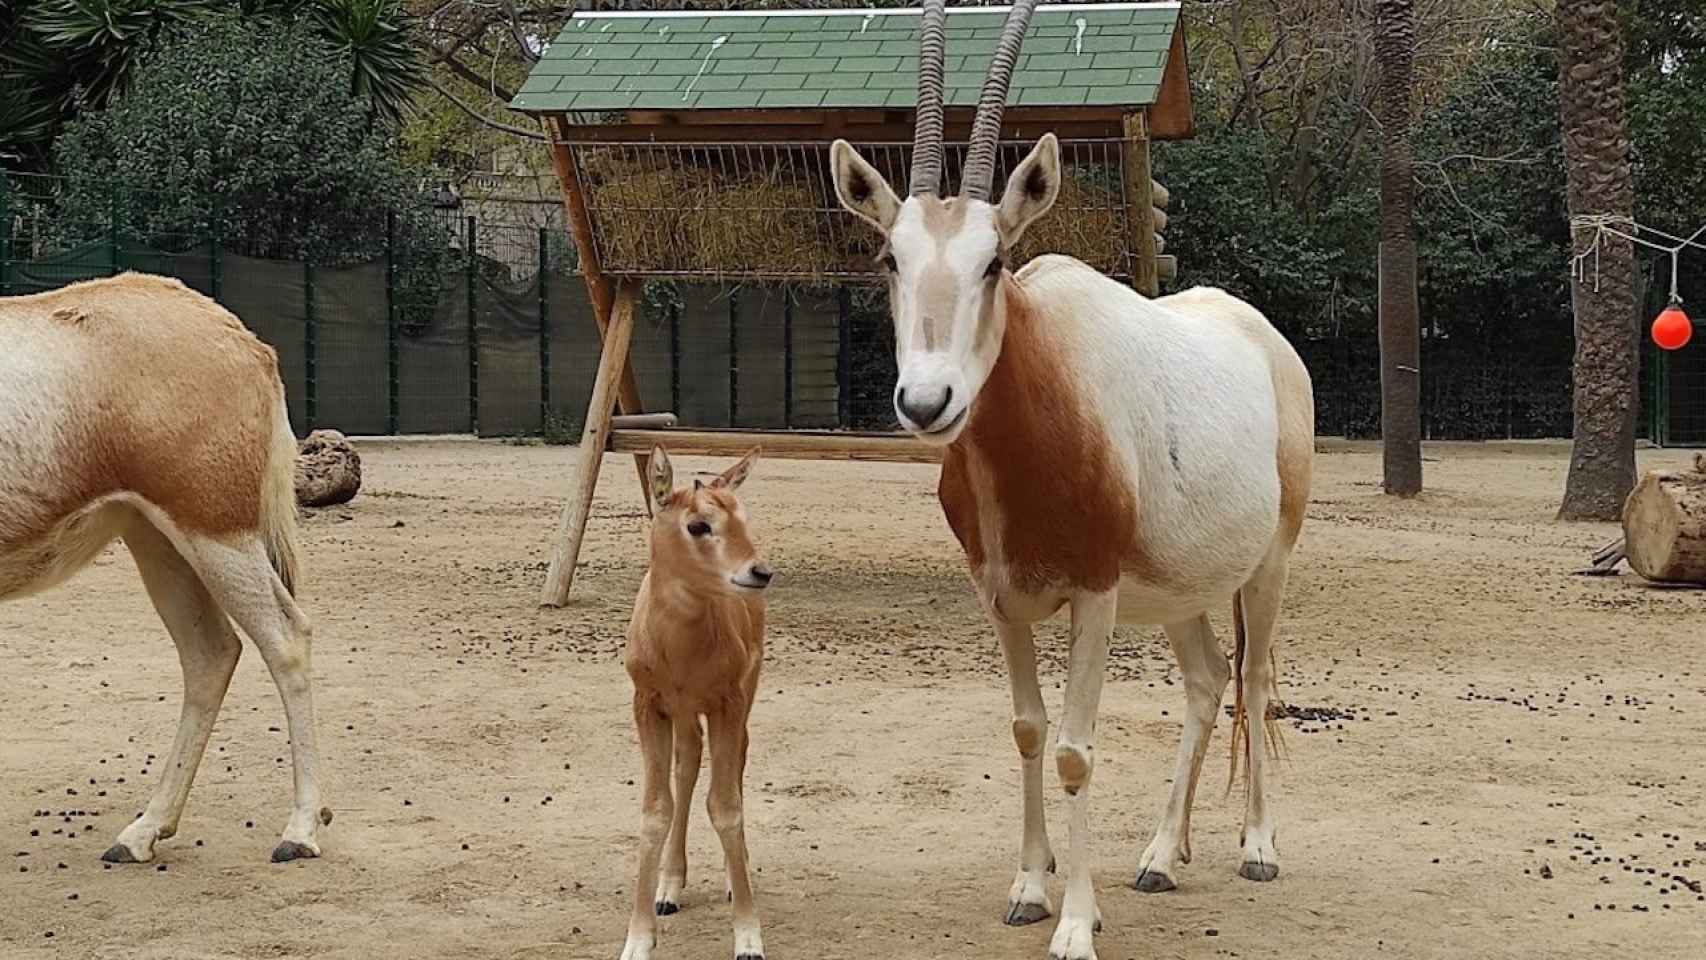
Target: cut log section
1664 525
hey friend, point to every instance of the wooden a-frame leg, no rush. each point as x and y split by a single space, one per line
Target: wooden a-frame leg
571 525
599 286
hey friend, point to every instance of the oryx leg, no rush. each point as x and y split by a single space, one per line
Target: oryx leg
1261 601
657 809
726 803
244 584
1027 900
689 749
207 651
1205 673
1074 759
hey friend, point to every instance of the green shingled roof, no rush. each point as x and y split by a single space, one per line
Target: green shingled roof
1074 55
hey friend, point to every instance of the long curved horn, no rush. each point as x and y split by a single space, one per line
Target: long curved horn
927 138
979 174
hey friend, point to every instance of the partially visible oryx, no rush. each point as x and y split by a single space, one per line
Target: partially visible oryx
135 408
1145 460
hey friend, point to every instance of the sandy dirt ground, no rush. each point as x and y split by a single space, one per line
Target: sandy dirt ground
1519 770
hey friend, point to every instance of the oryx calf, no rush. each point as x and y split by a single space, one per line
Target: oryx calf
135 408
695 646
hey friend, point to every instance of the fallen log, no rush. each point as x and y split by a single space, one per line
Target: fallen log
1664 525
328 470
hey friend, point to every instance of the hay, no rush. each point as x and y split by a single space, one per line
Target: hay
686 220
1086 223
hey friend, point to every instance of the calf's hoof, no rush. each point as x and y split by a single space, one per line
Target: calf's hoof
667 908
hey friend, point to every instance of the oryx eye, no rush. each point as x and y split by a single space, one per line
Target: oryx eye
888 263
994 268
699 528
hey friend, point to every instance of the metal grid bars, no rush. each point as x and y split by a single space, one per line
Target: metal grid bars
768 211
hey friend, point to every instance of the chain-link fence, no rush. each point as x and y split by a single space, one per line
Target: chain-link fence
452 325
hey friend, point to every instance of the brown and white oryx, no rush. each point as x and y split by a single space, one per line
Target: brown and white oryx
1132 459
136 408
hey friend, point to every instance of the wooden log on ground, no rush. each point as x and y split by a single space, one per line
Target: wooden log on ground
1664 525
328 470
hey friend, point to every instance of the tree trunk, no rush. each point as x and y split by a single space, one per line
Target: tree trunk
1596 160
1664 526
1400 312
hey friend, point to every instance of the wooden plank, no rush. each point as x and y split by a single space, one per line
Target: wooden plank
1140 205
571 523
781 444
598 286
956 117
643 421
1022 127
1171 116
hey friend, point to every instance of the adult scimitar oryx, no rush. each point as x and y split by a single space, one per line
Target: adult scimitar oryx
1135 460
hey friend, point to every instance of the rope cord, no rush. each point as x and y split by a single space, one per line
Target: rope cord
1603 224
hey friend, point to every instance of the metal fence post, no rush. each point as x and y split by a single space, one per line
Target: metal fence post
844 359
675 357
473 340
393 368
544 329
1661 408
310 347
734 357
5 236
787 358
112 232
216 256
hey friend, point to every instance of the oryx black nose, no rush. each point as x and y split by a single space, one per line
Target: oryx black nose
761 574
923 405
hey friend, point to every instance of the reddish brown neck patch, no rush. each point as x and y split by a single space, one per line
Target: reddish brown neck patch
1067 514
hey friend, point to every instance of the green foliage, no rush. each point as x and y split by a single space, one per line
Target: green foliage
246 130
1666 84
374 35
61 57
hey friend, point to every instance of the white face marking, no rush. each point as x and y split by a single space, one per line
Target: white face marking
947 333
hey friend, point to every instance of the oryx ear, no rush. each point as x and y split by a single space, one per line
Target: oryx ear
660 477
861 189
1031 190
736 475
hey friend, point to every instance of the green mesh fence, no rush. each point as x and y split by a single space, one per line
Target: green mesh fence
467 327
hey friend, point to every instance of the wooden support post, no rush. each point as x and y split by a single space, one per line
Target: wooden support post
598 286
571 524
1140 205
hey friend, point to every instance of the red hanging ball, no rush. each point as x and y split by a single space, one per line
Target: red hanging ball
1672 329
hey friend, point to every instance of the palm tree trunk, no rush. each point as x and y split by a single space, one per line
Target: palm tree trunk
1596 159
1400 313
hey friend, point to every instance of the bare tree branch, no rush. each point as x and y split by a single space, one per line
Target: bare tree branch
482 118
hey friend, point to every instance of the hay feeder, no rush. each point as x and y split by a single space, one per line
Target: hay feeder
695 145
